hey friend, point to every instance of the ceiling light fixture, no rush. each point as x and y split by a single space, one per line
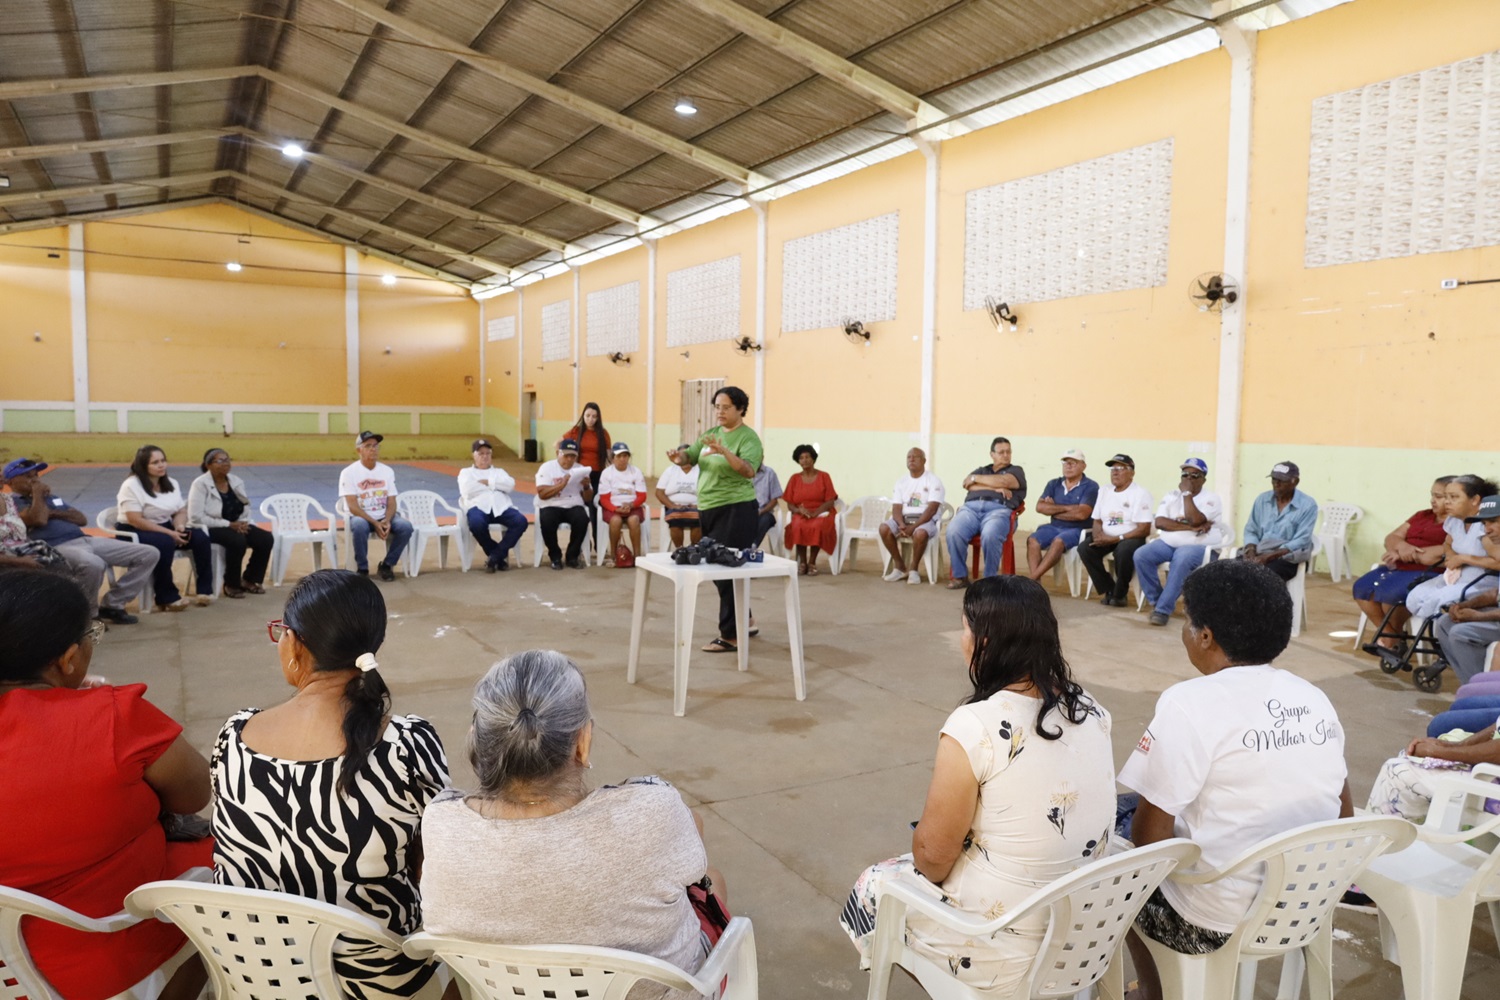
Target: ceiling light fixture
387 279
4 180
234 266
685 106
293 151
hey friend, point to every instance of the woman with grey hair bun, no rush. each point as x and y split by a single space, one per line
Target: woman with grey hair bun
622 866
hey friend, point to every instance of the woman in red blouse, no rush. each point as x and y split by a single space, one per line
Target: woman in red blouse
94 768
1413 552
593 449
810 496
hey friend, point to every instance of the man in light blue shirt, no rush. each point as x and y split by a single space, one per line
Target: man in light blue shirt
1279 534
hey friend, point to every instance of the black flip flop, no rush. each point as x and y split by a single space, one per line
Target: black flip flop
721 646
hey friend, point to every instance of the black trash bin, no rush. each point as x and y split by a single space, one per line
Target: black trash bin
531 450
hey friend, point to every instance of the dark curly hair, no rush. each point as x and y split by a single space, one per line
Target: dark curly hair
1245 605
804 449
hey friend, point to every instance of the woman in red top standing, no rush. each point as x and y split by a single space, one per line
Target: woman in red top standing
593 450
1413 553
91 768
810 496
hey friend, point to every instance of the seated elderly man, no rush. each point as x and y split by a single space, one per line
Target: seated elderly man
915 503
1187 522
1069 500
89 557
767 492
1279 534
994 492
1122 520
484 491
562 493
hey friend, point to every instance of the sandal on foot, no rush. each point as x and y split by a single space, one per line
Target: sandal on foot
753 630
812 571
721 646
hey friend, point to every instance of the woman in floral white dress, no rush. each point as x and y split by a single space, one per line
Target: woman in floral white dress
1022 793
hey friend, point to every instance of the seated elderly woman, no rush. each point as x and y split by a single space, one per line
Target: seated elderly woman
1022 793
677 492
1470 559
1413 555
535 857
322 796
810 496
153 506
92 806
219 505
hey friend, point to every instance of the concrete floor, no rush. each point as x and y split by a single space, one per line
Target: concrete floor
797 797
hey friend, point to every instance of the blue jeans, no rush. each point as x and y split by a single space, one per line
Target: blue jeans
1475 713
512 520
395 542
1183 561
161 577
990 520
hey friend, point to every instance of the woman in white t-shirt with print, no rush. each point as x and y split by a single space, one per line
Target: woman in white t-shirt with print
1243 753
677 492
154 507
1022 793
1469 558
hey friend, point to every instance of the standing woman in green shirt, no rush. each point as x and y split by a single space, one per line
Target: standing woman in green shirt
727 458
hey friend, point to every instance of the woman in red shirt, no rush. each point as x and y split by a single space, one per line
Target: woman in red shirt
593 450
93 768
1413 553
810 497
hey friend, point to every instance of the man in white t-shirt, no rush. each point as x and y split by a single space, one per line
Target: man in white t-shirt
1122 520
915 502
484 494
369 490
1243 753
1188 522
622 497
677 492
562 493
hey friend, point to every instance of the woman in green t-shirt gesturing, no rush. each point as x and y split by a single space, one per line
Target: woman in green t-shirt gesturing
727 459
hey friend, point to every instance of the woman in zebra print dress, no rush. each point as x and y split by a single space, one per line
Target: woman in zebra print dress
323 796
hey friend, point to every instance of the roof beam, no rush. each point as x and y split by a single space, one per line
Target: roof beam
105 215
493 266
120 81
97 190
105 145
503 71
793 46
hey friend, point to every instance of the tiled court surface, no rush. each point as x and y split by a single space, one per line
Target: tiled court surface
797 797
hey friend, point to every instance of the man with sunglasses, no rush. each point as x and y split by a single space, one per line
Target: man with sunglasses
1188 522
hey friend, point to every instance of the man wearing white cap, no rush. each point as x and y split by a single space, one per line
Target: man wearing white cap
1188 523
484 491
368 487
1069 500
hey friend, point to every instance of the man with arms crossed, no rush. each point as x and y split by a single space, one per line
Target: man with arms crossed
994 492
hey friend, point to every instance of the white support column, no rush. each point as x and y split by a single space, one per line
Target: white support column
1240 43
758 409
521 428
78 314
483 338
351 336
577 355
933 155
651 357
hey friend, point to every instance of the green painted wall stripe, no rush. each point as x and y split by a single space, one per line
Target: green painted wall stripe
174 422
275 423
450 423
44 421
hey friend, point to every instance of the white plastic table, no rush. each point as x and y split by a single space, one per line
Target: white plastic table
685 580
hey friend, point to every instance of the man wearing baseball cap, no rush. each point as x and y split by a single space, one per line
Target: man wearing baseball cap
368 487
1469 626
1122 522
484 493
1279 534
1069 501
562 494
89 557
1188 524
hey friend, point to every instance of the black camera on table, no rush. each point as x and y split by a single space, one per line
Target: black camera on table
707 550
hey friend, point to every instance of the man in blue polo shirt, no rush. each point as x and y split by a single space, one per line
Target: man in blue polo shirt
48 519
1069 500
1279 534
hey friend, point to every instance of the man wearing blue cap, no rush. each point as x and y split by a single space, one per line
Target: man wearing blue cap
89 557
1188 522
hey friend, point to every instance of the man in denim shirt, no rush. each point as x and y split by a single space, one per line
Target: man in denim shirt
1279 534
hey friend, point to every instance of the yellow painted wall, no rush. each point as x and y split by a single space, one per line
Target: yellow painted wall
620 391
1364 354
502 369
1059 374
552 381
168 323
432 331
34 290
734 234
811 375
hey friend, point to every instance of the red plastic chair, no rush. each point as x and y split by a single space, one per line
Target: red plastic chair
1007 551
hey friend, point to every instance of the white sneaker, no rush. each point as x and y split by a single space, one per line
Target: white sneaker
894 576
913 577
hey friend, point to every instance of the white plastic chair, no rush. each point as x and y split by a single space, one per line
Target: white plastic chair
259 945
1070 566
872 511
1297 588
601 533
1304 873
1088 913
109 517
775 540
539 548
932 558
568 972
420 508
1427 893
1333 533
291 526
836 557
